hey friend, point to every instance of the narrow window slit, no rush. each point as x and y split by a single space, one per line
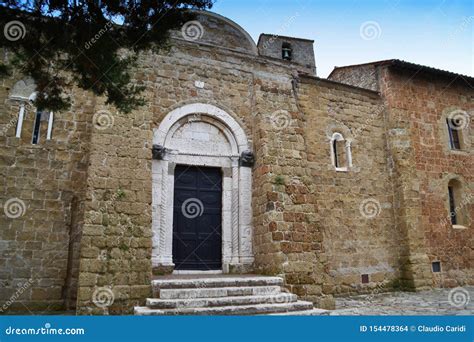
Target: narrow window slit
452 205
36 128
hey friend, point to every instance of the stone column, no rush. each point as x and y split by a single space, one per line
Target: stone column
235 212
245 216
227 249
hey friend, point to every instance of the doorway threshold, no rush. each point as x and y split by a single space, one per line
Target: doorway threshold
197 272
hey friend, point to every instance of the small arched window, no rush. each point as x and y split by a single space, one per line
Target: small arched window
341 152
22 93
457 204
286 52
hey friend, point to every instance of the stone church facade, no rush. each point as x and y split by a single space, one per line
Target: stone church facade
357 183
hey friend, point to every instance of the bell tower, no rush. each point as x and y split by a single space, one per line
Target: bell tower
297 51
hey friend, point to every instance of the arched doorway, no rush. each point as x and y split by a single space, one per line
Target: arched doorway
201 191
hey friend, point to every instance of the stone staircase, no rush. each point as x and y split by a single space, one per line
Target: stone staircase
223 295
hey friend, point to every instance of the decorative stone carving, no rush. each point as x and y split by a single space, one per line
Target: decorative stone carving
247 159
158 152
203 135
23 90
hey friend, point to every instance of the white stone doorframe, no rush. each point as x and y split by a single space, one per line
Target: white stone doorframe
237 228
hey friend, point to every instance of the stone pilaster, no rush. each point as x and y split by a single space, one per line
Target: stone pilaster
414 261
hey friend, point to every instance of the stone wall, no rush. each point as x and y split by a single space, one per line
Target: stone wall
115 265
353 207
414 265
418 104
423 103
363 76
288 240
42 195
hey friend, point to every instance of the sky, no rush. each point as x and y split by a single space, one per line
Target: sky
437 33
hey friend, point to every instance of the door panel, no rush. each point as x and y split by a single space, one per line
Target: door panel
197 218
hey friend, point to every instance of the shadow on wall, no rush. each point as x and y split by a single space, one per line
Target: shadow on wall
69 295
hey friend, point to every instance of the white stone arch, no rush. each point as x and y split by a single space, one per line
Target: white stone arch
23 90
23 93
215 139
160 134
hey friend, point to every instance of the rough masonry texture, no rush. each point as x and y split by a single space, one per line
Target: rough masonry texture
348 193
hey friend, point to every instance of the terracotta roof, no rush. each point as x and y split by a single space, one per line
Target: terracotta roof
411 66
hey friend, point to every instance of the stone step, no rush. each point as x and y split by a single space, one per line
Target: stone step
217 292
279 298
255 309
312 312
216 282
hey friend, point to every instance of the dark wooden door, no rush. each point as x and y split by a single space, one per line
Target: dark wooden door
197 218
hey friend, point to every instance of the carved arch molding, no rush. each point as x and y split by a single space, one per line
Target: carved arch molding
203 135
